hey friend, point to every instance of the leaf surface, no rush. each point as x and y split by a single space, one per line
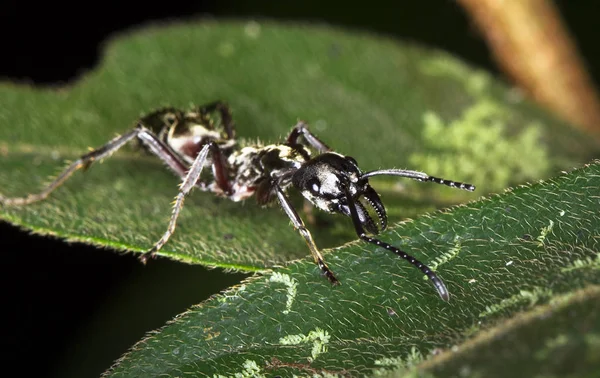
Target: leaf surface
559 339
497 256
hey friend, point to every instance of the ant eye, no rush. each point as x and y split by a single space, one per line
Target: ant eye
314 186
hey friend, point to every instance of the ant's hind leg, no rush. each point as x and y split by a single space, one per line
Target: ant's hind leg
82 163
155 145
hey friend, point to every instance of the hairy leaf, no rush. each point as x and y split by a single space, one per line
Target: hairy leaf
560 339
497 256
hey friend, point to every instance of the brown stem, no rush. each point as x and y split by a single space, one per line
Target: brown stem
530 43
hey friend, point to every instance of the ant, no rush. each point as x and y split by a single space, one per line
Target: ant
189 141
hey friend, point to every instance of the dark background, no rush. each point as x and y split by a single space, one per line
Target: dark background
70 310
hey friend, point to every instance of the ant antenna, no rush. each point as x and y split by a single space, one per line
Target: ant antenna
420 176
437 282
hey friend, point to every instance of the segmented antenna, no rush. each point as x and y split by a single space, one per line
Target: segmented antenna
450 183
419 176
437 282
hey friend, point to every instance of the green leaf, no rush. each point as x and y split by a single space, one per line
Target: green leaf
560 339
386 104
497 256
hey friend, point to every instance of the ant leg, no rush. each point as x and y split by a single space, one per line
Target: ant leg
226 117
162 151
189 182
220 169
437 282
84 162
301 129
299 225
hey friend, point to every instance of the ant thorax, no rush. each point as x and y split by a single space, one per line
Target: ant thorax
189 132
252 164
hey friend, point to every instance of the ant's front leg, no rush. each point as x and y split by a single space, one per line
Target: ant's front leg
155 145
189 182
299 226
301 129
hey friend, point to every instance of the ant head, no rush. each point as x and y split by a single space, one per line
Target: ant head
329 179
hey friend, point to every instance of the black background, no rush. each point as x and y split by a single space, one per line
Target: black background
51 290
